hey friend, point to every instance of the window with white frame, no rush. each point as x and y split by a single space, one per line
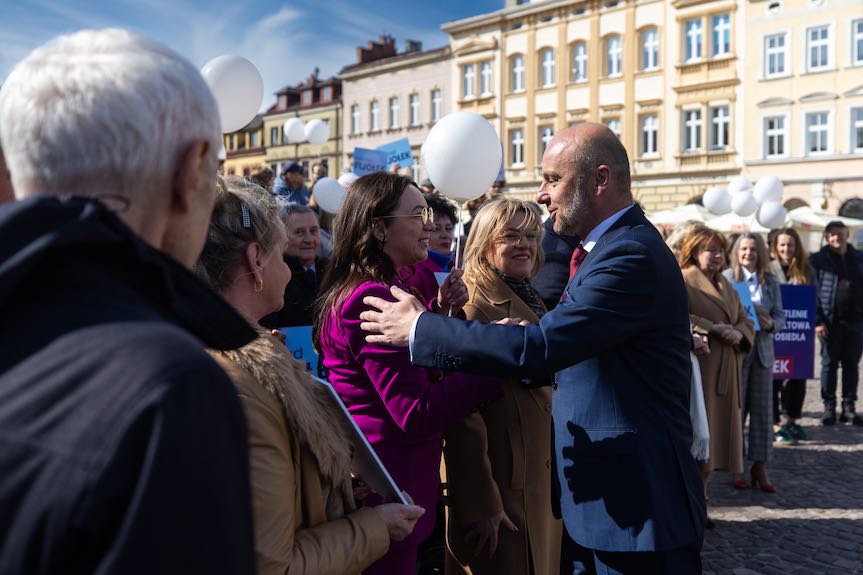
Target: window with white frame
857 129
817 132
693 39
579 62
649 135
719 121
857 42
355 119
613 53
691 130
546 133
775 137
414 102
485 78
649 49
818 48
467 76
613 125
516 147
435 105
307 97
326 93
394 112
254 139
546 58
517 69
721 25
275 136
373 116
775 54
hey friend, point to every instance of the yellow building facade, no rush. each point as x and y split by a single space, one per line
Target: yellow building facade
803 100
244 149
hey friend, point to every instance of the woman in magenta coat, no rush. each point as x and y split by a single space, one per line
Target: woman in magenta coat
382 228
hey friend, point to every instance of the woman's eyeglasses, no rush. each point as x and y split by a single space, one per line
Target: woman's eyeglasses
426 215
515 238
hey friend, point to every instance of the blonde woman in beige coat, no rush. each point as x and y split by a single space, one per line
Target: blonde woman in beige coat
715 311
497 460
306 518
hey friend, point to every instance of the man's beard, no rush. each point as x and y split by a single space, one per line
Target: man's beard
573 214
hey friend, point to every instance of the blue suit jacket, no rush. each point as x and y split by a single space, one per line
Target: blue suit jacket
618 348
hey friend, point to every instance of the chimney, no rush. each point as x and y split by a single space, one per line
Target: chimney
377 50
413 46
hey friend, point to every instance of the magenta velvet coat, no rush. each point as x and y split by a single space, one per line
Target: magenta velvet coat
402 409
423 278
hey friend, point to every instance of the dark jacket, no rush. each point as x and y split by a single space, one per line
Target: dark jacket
123 446
300 294
553 276
827 279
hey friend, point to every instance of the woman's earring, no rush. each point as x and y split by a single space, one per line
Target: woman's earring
259 285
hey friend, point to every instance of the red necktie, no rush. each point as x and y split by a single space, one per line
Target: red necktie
578 256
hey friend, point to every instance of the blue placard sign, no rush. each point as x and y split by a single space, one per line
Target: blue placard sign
746 302
369 161
794 346
299 342
398 152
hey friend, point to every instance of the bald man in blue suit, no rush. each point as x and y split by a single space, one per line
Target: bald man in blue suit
617 350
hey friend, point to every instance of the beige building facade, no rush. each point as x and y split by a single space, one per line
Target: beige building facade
389 96
803 100
244 149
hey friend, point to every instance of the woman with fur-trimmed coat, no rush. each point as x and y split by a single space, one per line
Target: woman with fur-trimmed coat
305 514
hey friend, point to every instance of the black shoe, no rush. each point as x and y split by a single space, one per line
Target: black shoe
829 417
848 414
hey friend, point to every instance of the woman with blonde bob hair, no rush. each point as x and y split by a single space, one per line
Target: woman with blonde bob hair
749 266
306 518
715 311
498 480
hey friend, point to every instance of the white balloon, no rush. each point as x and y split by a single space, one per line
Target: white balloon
329 194
717 200
223 153
238 89
294 130
317 132
347 179
767 189
771 214
739 184
743 204
462 155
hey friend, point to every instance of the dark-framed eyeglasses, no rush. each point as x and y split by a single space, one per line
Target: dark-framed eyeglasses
426 215
515 238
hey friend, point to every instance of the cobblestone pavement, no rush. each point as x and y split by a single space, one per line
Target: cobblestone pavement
813 524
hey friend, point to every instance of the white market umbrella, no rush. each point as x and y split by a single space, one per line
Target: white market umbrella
679 215
807 219
732 223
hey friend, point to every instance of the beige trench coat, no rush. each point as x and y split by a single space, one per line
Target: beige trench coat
499 458
720 370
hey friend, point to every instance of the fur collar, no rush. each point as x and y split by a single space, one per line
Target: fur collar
309 411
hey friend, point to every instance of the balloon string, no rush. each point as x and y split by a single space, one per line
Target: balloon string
458 241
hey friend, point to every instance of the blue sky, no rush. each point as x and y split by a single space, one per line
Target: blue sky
286 40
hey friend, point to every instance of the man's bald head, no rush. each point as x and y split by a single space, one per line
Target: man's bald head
590 145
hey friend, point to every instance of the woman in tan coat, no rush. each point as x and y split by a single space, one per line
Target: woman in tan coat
497 460
306 518
715 311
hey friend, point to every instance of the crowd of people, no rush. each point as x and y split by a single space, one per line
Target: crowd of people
535 408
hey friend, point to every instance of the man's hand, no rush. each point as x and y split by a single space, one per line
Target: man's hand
391 321
485 532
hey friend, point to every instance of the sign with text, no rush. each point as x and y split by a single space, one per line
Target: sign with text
369 161
299 342
746 301
794 346
398 152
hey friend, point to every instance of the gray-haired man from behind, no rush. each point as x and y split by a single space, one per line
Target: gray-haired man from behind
122 444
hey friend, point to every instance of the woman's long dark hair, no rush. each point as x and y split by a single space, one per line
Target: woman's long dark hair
357 254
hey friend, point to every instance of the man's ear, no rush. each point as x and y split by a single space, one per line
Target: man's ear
187 178
602 175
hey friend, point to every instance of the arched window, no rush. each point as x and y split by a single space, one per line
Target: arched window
649 49
613 56
546 71
579 62
516 83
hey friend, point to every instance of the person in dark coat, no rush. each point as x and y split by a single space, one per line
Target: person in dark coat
123 445
307 269
553 276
